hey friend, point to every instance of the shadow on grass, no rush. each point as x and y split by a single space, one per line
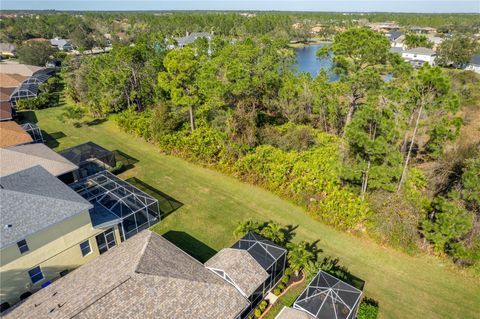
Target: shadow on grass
27 116
192 246
127 160
95 122
51 138
166 203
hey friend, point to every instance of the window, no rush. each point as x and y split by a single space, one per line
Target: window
22 246
35 274
106 241
85 248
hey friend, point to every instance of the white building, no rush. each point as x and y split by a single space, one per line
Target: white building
419 56
474 64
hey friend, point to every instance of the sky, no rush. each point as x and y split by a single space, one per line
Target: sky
420 6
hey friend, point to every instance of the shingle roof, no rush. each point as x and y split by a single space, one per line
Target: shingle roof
32 200
394 35
192 37
241 267
5 111
17 158
290 313
13 134
18 68
421 50
144 277
11 80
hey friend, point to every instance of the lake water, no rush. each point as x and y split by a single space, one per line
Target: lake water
307 61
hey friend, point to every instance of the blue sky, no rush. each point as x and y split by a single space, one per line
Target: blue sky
471 6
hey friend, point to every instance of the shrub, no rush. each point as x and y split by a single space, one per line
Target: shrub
258 313
118 168
368 309
263 305
285 279
137 123
281 286
277 292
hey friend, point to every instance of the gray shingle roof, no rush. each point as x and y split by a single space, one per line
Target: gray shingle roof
182 41
241 267
17 158
290 313
394 35
32 200
421 50
144 277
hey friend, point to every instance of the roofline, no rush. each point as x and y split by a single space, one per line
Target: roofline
51 225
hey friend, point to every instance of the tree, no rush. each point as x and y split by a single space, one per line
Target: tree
413 40
179 80
359 54
35 53
274 232
82 38
299 256
457 51
373 147
429 91
246 226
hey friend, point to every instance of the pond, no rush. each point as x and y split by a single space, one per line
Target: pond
307 61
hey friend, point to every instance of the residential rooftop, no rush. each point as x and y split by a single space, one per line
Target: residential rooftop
144 277
18 158
32 200
421 50
10 67
475 60
13 134
240 268
290 313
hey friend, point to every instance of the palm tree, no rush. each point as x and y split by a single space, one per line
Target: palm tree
299 256
274 232
245 227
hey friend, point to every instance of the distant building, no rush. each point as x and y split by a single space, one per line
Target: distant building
474 64
396 39
61 44
190 38
423 30
435 40
419 56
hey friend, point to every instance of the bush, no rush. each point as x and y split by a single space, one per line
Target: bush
285 279
258 313
137 123
277 292
368 309
281 286
118 168
263 305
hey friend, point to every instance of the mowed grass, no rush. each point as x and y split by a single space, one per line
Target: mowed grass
405 286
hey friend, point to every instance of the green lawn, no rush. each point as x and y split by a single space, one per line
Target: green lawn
405 286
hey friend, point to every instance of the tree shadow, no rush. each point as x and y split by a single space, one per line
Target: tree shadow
51 138
332 266
313 247
192 246
166 203
95 122
289 233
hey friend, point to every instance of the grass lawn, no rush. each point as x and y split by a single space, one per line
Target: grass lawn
212 205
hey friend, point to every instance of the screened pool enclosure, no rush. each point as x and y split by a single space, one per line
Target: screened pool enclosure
328 297
34 131
91 158
117 202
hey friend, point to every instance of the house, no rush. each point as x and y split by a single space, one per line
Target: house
396 39
435 40
61 44
50 228
325 297
8 84
419 56
144 277
20 157
46 231
424 30
254 265
190 38
13 134
474 64
7 49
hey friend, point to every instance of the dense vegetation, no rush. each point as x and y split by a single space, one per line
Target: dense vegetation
363 154
352 151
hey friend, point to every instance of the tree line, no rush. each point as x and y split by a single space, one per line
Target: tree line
351 151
